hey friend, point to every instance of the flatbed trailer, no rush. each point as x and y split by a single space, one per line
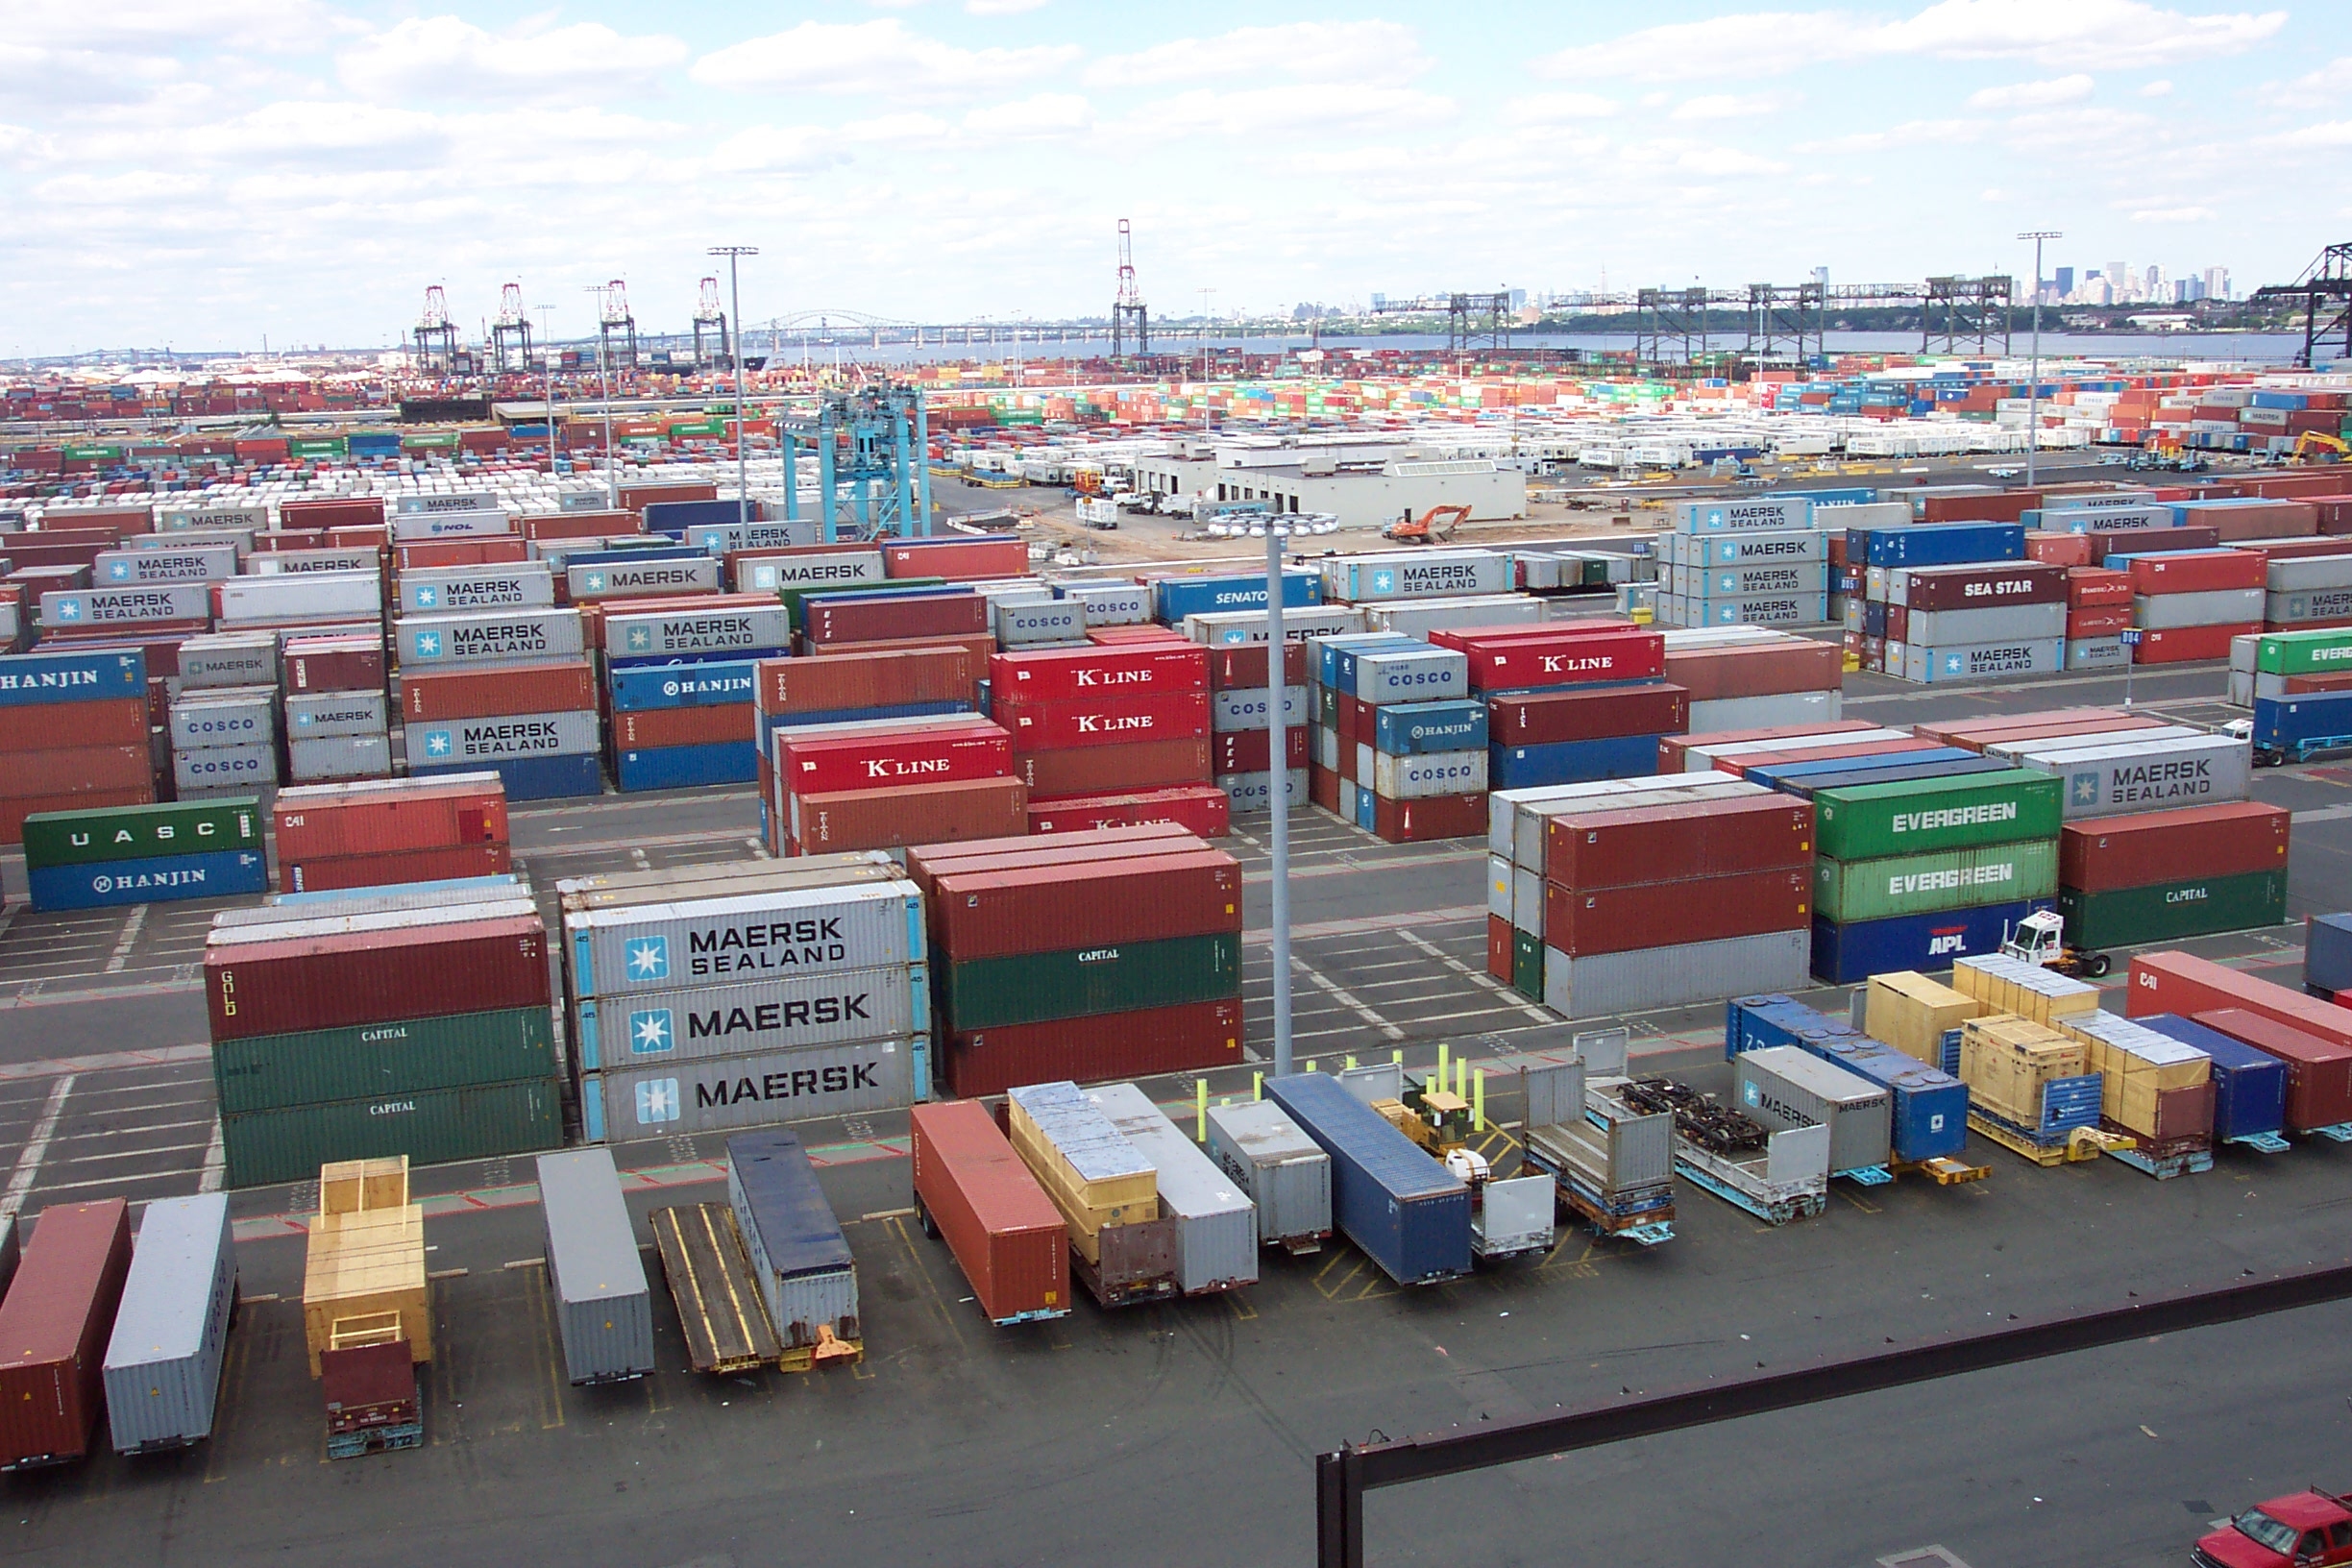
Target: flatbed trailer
1787 1179
717 1296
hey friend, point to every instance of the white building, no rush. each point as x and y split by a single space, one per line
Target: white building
1366 483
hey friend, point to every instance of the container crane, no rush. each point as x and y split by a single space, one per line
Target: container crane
1127 317
708 314
617 320
512 323
436 335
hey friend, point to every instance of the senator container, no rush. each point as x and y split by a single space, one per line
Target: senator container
1284 1173
1409 1213
634 1101
973 1191
1784 1087
2249 1084
2318 1070
603 1308
830 1007
2158 776
807 1276
54 1327
163 1364
1877 820
1216 1224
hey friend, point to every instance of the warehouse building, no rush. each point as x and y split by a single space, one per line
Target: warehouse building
1363 484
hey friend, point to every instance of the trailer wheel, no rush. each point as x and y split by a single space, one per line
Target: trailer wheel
2096 965
923 1218
2265 757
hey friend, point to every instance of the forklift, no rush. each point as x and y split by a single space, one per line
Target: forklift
2040 939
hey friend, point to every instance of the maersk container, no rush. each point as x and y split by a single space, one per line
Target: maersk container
383 1061
1923 665
1777 548
487 637
218 873
228 658
1784 1087
721 1093
603 1306
2107 780
994 993
178 562
477 1121
504 737
655 947
127 608
807 1276
1284 1173
1571 762
758 1016
631 577
1216 1224
1854 951
1746 514
2249 1085
171 1333
313 715
1780 609
1877 889
438 590
1409 1213
1240 629
1429 573
737 630
813 569
1877 820
1603 984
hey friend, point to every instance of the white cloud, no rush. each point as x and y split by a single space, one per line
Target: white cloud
2119 34
1000 8
2174 214
1044 115
1366 52
878 57
1724 105
2330 134
1308 106
2156 90
766 149
448 57
909 127
1909 134
251 24
2064 89
2317 90
1555 108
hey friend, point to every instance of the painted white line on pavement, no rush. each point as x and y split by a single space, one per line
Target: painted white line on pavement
1477 976
36 1147
130 935
1345 998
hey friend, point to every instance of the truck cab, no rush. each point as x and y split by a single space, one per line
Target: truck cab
2307 1529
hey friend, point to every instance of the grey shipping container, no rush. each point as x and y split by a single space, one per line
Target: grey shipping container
736 628
171 1335
1923 663
792 931
501 737
638 580
312 714
440 590
1246 709
807 1275
310 595
224 767
184 563
1286 1174
2209 607
322 757
779 1015
233 716
1784 1086
1970 628
486 637
228 658
1597 985
2107 780
725 1093
1216 1225
1112 604
603 1308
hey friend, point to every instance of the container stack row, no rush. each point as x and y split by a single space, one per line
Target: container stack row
1105 721
73 735
114 855
1755 560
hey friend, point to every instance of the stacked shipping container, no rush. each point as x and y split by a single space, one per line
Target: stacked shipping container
144 854
73 734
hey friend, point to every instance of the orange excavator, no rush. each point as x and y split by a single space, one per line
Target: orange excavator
1434 526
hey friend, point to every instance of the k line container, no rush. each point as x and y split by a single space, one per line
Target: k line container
1653 977
1286 1174
796 931
1784 1087
603 1306
1216 1224
163 1362
1407 1211
807 1276
974 1191
54 1326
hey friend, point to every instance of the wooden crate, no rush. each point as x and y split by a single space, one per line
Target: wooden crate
350 1187
2006 1061
1086 1205
2008 985
364 1264
1914 1013
2136 1066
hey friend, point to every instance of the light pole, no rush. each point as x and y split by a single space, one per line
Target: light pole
2033 390
546 368
1204 294
743 482
1278 792
612 475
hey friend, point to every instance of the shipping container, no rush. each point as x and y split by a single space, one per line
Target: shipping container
2327 952
1785 1086
991 993
1408 1212
333 821
1284 1173
634 1101
2132 778
1676 843
169 1345
1122 769
1882 820
1581 922
383 1061
1216 1223
2318 1070
54 1326
807 1275
1605 984
832 1008
2249 1084
1877 889
974 1191
1193 1036
1848 952
708 942
2229 838
475 1122
422 970
1002 913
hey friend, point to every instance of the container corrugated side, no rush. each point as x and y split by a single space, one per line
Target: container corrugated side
55 1323
793 931
722 1093
262 1072
432 1127
1407 1213
1877 820
973 1189
171 1333
833 1007
1877 889
1216 1224
596 1274
991 993
1286 1173
807 1275
1784 1086
1653 977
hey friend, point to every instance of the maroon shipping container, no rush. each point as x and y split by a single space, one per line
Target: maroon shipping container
373 821
1108 719
891 678
568 686
54 1329
580 525
2273 520
413 972
1579 713
1244 665
685 726
1420 822
1353 722
1975 736
926 863
53 727
973 1191
324 873
1121 636
865 618
1979 587
320 664
637 497
1740 762
2318 1071
1202 809
491 551
2195 572
343 512
1323 786
1680 843
1501 949
958 560
1112 769
78 771
1192 1037
2297 684
2125 541
953 749
1989 506
2184 644
1044 909
1097 674
1671 747
1250 751
2228 839
1556 655
16 808
978 646
904 813
2106 620
1665 914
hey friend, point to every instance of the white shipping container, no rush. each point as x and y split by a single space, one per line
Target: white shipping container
321 758
310 595
2159 776
1529 819
231 715
1784 1087
1428 775
2210 607
1111 603
1775 710
78 608
1427 574
162 1369
228 658
183 518
418 503
652 947
190 563
1251 794
1216 1224
641 579
2306 607
309 714
487 637
224 767
2004 624
1418 618
2097 654
1224 628
2299 574
829 568
513 585
727 1092
737 630
1771 548
2042 656
502 737
603 1306
279 563
1047 621
1413 674
1245 707
473 523
1284 1173
1746 514
1505 807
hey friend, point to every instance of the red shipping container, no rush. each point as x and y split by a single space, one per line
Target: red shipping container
636 498
79 771
1110 718
890 818
2125 541
580 525
1040 909
2318 1071
867 618
1671 747
1586 713
685 726
978 646
340 512
2099 587
564 686
117 720
2181 644
1422 822
1244 664
1109 770
1983 587
1991 506
2178 982
1978 733
335 669
893 678
2058 549
1560 655
324 873
2318 683
1198 808
2103 622
2195 572
490 551
1584 922
958 560
1357 720
1122 636
1096 675
1194 1037
973 1191
54 1329
389 820
1501 949
1679 842
928 863
2229 838
952 751
1249 750
412 971
16 808
1761 670
1740 762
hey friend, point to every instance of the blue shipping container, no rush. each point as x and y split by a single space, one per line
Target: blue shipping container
1931 1106
2249 1085
1404 1209
1345 659
1774 774
1367 808
29 678
734 655
1958 767
1406 729
682 766
642 688
218 873
1328 649
1945 544
1175 598
2294 720
1759 1023
771 722
1571 762
533 778
1844 954
2327 952
675 516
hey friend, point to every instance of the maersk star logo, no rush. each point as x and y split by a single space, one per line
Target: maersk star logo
1954 664
428 596
640 639
428 645
69 609
119 570
595 583
439 743
648 958
2083 789
649 1032
658 1100
1384 582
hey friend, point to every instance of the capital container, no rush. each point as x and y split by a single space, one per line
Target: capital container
1601 984
974 1191
1108 719
513 586
1676 843
1847 951
995 913
807 1275
472 1122
383 1060
654 947
760 1016
1407 1211
1784 1087
603 1306
2249 1084
1215 1222
1877 820
1184 1038
163 1362
54 1327
71 838
2318 1070
1115 977
2167 911
2154 776
487 637
1284 1173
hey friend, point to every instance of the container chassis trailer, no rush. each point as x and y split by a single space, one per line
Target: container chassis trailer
718 1297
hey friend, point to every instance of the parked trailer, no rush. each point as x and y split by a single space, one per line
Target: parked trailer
10 1251
1286 1173
1216 1224
973 1191
710 1279
372 1396
1120 1249
1784 1086
53 1332
165 1361
1408 1215
1613 1167
807 1277
1513 1217
1777 1177
603 1306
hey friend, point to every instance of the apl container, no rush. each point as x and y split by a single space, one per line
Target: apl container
1409 1213
1844 953
624 1104
171 1333
54 1326
604 1307
807 1276
1784 1087
1216 1224
1284 1173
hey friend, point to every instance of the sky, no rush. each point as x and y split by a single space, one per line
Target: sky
204 173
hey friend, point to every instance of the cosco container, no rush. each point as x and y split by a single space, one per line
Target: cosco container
974 1191
236 716
1110 603
225 768
604 1307
54 1326
1284 1173
2110 780
793 931
165 1360
807 1276
1410 674
1216 1224
758 1016
477 1121
1428 774
1409 1213
632 1101
1247 708
1784 1087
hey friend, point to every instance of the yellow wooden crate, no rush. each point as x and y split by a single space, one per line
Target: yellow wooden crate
363 1263
1913 1014
2006 1060
353 1185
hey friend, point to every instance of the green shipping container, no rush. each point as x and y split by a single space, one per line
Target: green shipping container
2305 652
84 838
417 1056
327 446
992 993
93 455
475 1122
1872 822
1992 873
429 441
2167 911
1527 964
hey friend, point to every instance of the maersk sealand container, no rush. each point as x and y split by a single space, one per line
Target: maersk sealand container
1407 1211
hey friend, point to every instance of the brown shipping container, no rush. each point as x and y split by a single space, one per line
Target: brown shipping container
1983 587
1244 666
1192 1038
330 872
1679 842
77 771
564 686
58 727
578 525
863 619
904 813
492 550
1671 747
425 971
54 1329
972 1190
1247 751
1502 950
716 723
1423 822
1572 714
2227 838
2318 1071
380 822
2126 541
891 678
330 514
16 808
1798 665
335 669
1104 769
1050 908
2297 684
1667 914
977 647
1985 506
928 863
1977 733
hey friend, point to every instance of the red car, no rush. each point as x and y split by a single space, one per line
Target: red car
2309 1529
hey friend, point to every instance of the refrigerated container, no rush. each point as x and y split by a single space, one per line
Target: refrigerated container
972 1189
1405 1210
807 1275
603 1306
834 1008
1215 1222
639 1100
704 942
165 1359
1784 1085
